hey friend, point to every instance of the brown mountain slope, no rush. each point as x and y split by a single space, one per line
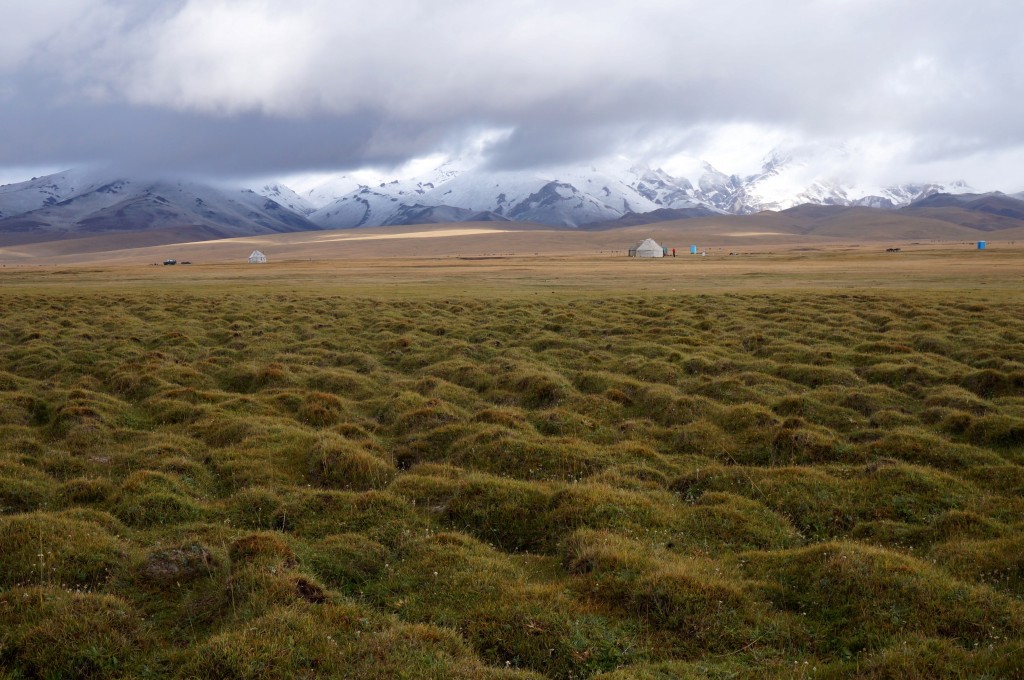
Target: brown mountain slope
883 226
826 222
972 219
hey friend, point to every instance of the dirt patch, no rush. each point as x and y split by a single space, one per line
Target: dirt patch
309 591
178 565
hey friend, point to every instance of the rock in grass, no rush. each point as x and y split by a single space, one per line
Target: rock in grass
172 566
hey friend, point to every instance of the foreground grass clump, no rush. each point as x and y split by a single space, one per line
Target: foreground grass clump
54 633
301 485
57 549
335 641
512 610
689 598
861 598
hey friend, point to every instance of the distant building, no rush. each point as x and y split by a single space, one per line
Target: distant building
257 258
647 248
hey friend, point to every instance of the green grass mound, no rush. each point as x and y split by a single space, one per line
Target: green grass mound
998 562
722 522
933 658
681 670
347 562
341 464
23 489
508 513
857 598
379 515
824 505
684 596
158 508
86 491
913 445
335 641
57 549
511 611
256 508
53 633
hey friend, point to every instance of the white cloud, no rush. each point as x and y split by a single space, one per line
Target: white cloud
939 81
28 25
226 57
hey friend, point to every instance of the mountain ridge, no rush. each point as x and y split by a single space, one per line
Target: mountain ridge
576 196
74 205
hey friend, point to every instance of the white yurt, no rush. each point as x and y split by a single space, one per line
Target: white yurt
257 258
649 248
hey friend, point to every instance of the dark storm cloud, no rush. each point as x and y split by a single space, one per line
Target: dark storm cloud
257 86
160 140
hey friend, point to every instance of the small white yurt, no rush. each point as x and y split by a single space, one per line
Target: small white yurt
649 248
257 258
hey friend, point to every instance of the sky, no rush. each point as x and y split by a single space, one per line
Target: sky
870 90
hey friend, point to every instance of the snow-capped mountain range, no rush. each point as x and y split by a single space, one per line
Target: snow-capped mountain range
578 196
81 202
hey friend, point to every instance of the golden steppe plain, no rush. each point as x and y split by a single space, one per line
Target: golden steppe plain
497 259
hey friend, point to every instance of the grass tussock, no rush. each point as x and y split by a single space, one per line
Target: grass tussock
341 464
858 598
48 549
686 597
51 632
338 641
511 612
302 484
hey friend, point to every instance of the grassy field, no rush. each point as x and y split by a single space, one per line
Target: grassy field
790 464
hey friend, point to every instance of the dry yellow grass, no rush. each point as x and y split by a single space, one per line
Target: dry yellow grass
299 263
764 232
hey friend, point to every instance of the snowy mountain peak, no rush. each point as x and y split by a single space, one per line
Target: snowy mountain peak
462 188
789 178
73 204
599 192
285 196
40 192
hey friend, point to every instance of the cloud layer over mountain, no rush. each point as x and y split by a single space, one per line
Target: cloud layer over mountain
247 87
